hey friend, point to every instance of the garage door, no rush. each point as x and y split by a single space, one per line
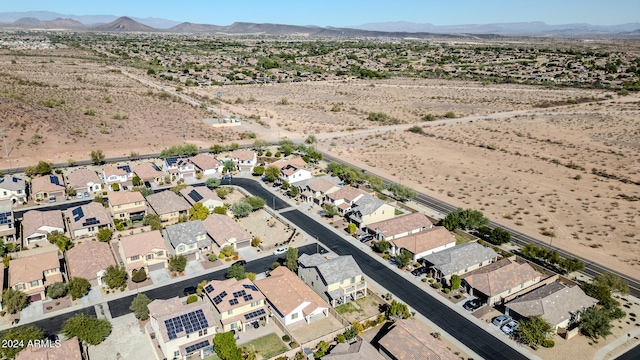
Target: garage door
316 317
243 244
158 266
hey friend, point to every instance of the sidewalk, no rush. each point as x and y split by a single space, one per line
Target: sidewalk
619 346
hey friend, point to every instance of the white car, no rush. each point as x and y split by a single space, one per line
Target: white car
510 327
280 251
501 320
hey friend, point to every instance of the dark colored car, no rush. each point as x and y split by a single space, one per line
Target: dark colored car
420 271
366 238
472 304
189 290
240 262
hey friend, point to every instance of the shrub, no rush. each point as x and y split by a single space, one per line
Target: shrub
57 290
139 276
341 339
450 115
447 290
548 343
192 299
255 242
227 250
286 338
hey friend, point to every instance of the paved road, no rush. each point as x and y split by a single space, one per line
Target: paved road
633 354
53 325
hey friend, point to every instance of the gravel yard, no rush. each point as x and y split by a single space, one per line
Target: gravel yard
268 229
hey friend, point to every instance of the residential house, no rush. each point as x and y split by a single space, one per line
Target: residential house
245 160
149 174
7 224
423 243
359 350
316 188
36 225
225 231
343 198
292 170
406 340
179 167
84 180
127 205
145 250
33 273
13 189
399 226
87 220
202 194
65 350
369 209
120 174
558 304
187 238
459 260
47 188
89 260
207 164
179 329
291 298
337 280
494 282
169 206
236 304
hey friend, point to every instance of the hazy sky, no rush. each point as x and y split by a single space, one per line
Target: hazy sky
349 12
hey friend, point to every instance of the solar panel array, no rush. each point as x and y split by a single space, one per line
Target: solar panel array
195 196
191 322
233 302
239 293
248 297
91 221
171 161
251 287
54 179
15 179
77 214
5 218
218 299
208 289
256 313
198 346
125 168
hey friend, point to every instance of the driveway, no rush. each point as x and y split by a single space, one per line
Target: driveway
32 311
94 294
192 267
159 276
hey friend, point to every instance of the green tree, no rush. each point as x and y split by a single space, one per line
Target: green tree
499 236
329 210
291 259
382 246
87 329
176 189
404 258
177 263
271 173
217 149
294 191
223 192
13 300
200 288
285 185
452 221
534 330
57 290
259 145
178 150
397 310
256 202
212 183
595 322
229 166
62 242
258 170
287 147
401 192
97 157
104 234
115 276
140 306
145 191
135 181
531 251
43 168
311 139
236 271
153 221
198 212
224 344
472 219
221 210
321 349
612 282
572 264
455 282
241 209
78 287
139 275
351 333
19 338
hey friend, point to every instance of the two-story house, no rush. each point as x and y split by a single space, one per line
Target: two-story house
84 180
7 224
459 260
236 304
47 188
292 170
145 250
225 231
290 298
149 174
245 160
368 209
399 226
31 274
337 280
179 167
36 225
405 339
423 243
207 164
87 220
169 206
187 238
127 205
120 174
203 195
180 330
314 189
344 198
89 260
13 189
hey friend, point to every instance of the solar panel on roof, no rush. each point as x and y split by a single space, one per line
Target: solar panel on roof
233 302
15 179
208 289
193 348
125 168
54 179
251 315
77 214
195 196
248 297
252 287
239 293
191 322
223 294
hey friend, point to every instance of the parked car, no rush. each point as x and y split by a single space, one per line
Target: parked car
227 177
79 195
510 327
86 195
366 238
240 262
280 251
52 198
472 304
189 290
501 320
420 271
361 236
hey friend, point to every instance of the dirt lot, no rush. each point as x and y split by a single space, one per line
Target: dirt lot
264 226
366 307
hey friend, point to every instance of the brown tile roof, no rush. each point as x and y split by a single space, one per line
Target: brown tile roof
44 184
146 171
90 210
322 185
401 224
203 191
68 350
244 155
500 276
142 243
113 170
31 268
285 291
293 163
408 341
347 192
165 202
162 310
205 162
81 177
222 228
361 350
85 260
231 286
125 197
32 220
425 240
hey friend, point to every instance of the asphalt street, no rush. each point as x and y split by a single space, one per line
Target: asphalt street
633 354
53 325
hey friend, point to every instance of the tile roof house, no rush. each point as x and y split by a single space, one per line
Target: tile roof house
207 164
48 187
66 350
245 160
344 198
179 167
32 273
496 281
187 238
117 174
7 224
408 341
225 231
291 298
236 304
12 188
168 205
360 350
459 260
127 205
558 304
292 170
425 242
202 194
37 224
180 329
145 250
87 220
369 209
84 180
149 173
89 260
399 226
337 280
316 188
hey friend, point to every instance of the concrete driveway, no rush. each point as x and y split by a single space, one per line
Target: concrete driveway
159 276
94 294
192 267
32 311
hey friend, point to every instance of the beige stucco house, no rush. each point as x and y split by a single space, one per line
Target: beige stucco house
236 304
337 280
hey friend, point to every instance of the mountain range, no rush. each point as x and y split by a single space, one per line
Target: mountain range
401 29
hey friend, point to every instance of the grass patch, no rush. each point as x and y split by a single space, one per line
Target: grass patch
212 357
268 346
347 308
461 239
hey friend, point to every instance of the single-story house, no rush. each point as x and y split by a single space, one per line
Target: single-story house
207 165
399 226
87 220
169 206
36 225
47 188
187 238
202 194
423 243
459 260
89 260
84 180
406 340
494 282
225 231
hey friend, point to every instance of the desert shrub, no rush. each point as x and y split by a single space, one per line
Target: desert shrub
286 338
447 290
450 115
548 343
139 276
57 290
227 250
192 299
